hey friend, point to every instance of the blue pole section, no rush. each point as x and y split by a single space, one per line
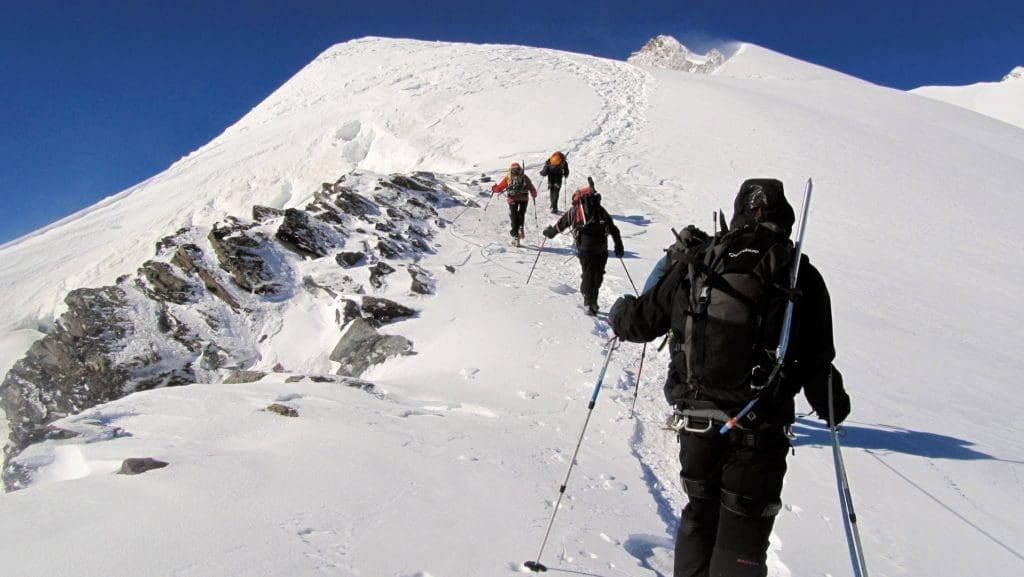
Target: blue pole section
536 566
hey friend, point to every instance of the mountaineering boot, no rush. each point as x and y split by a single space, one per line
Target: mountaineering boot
592 309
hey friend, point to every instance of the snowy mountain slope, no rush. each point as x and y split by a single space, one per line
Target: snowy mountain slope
472 435
1002 100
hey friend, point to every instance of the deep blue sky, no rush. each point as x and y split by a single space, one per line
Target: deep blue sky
98 95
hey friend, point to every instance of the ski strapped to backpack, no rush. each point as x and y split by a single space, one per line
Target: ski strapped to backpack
780 352
582 200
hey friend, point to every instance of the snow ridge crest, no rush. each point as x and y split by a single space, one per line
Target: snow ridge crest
666 52
1015 74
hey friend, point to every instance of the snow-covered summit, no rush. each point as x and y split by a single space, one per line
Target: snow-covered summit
666 52
1015 74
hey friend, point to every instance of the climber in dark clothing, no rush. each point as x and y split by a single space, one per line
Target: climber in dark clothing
555 168
591 226
734 480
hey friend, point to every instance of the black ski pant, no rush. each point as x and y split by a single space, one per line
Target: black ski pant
554 186
592 265
517 213
734 485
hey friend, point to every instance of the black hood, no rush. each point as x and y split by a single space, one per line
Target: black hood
766 194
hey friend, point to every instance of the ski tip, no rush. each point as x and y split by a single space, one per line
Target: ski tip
535 566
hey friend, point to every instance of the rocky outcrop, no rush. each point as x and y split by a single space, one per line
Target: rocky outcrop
192 312
666 52
139 465
361 347
309 235
243 255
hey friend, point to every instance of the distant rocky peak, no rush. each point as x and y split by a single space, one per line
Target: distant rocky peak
666 52
1015 74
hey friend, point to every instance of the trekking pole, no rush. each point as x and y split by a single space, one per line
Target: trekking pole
845 498
643 351
787 319
629 277
636 387
536 259
536 566
488 203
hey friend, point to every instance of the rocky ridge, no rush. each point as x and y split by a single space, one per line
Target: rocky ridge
198 310
666 52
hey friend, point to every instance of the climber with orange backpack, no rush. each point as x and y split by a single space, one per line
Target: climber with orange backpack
555 168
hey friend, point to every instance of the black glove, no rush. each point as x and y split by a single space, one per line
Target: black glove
619 251
617 308
550 232
840 401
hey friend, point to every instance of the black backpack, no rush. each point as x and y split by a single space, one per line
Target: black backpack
516 181
738 291
589 217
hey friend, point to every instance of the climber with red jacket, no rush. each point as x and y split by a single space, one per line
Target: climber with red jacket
516 186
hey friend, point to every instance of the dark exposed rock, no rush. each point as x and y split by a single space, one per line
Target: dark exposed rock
70 370
310 283
350 311
168 243
213 357
188 258
308 235
283 410
419 209
245 258
389 249
361 347
163 284
239 377
422 281
420 245
355 205
411 183
265 213
349 259
378 272
384 311
139 465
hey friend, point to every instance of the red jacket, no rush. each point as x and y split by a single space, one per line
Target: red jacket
515 197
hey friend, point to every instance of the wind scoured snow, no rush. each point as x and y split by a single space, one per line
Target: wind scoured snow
450 465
